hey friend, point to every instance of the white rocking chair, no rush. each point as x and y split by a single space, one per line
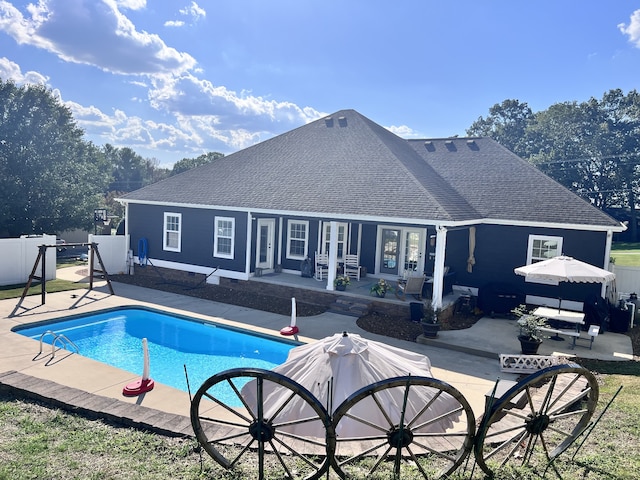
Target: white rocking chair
352 266
321 266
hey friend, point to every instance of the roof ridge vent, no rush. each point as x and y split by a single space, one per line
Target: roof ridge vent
328 121
342 121
429 146
471 143
450 145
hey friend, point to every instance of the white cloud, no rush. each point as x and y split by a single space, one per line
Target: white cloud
192 115
633 29
132 4
11 71
191 96
94 33
404 131
194 11
174 23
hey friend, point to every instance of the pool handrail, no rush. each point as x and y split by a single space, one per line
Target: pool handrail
57 336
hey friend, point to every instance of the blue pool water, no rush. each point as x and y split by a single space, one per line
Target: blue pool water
115 337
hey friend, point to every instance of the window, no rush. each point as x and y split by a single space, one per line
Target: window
223 237
342 236
542 248
172 228
297 238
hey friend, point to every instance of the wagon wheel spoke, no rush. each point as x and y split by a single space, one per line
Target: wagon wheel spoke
538 419
401 427
255 414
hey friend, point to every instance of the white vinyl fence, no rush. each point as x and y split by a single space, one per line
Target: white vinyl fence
113 251
627 279
17 256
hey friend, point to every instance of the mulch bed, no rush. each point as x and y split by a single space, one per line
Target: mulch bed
277 299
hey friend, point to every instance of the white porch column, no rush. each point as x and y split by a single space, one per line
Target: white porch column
438 268
333 254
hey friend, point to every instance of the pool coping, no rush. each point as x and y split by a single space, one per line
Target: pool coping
91 405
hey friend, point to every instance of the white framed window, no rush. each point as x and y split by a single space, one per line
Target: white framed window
341 240
298 239
224 237
172 236
543 247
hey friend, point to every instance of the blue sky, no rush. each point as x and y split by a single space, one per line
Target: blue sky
178 78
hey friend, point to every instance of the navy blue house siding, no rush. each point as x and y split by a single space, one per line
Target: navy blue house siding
500 249
197 235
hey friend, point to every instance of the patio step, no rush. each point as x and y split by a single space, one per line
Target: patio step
355 307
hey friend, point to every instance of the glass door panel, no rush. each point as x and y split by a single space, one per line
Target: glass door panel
412 252
390 251
265 243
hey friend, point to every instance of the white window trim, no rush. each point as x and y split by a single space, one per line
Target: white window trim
165 231
306 239
216 237
532 238
326 234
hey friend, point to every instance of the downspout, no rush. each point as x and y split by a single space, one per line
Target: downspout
126 219
607 258
129 250
247 260
438 267
279 247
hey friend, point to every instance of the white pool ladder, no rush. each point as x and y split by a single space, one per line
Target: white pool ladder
64 342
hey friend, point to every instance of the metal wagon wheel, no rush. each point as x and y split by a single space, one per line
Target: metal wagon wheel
242 412
403 427
537 419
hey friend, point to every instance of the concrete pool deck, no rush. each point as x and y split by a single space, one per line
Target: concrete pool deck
94 386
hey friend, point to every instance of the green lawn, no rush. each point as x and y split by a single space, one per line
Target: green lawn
52 286
38 442
626 254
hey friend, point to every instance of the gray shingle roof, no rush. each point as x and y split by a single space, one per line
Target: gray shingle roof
345 164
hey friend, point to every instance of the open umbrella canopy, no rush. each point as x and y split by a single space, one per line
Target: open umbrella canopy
565 269
335 367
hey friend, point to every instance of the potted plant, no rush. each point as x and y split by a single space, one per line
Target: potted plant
429 321
341 282
381 288
529 324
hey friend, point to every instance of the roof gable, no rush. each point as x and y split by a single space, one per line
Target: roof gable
341 164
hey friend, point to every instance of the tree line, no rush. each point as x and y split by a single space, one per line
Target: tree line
52 179
592 147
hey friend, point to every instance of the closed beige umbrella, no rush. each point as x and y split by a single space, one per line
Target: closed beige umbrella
471 261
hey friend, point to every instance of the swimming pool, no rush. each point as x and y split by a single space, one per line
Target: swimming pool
114 337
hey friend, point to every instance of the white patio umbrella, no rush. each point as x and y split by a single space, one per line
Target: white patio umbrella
345 363
565 269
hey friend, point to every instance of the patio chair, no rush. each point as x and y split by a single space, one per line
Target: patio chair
352 266
412 286
321 266
594 330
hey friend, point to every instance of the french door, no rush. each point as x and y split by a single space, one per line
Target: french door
401 250
265 243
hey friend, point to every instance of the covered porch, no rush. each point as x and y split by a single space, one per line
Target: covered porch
357 289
